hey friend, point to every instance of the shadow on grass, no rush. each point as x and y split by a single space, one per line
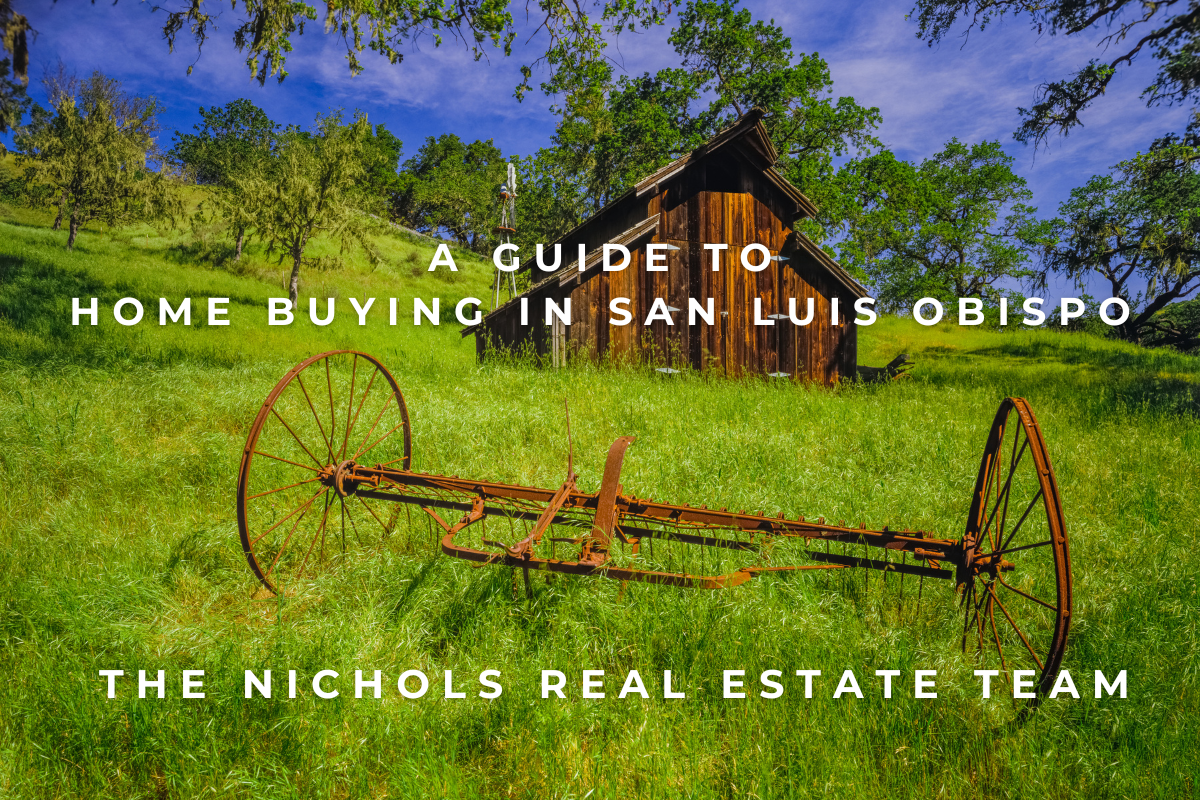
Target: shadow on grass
36 329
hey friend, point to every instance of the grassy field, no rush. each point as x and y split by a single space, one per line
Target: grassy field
119 452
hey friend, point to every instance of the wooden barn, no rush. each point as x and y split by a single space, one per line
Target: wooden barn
725 192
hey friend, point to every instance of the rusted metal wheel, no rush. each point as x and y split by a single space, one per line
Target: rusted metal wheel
1015 579
297 510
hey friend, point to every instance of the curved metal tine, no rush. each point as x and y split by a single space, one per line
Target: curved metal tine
1016 628
324 438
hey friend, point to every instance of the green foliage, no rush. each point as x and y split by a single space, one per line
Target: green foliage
14 61
613 132
746 63
92 155
14 102
452 186
231 142
954 226
1177 325
575 32
1137 226
1167 32
548 201
381 154
313 182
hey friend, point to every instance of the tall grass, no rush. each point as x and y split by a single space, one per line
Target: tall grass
118 550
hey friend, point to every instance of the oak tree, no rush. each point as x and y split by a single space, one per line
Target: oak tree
452 186
230 142
956 225
1138 230
314 182
93 155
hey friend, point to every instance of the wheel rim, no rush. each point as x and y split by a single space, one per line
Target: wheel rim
1015 583
295 517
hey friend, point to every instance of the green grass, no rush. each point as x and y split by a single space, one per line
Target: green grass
118 550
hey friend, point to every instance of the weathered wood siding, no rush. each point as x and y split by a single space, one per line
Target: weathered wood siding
715 200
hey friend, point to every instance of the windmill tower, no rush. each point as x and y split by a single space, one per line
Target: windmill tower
507 227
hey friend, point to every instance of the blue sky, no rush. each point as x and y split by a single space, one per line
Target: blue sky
926 95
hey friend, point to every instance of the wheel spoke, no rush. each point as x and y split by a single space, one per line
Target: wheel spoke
380 439
378 417
289 516
1021 521
996 634
319 534
371 511
349 405
342 500
353 526
362 402
1012 468
979 623
316 460
332 420
1022 547
328 445
1007 485
284 460
393 461
967 595
1020 633
282 488
1028 596
291 533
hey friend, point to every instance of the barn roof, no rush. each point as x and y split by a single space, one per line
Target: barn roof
748 130
836 270
754 143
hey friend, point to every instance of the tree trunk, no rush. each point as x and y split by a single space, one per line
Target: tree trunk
294 286
62 204
241 237
74 228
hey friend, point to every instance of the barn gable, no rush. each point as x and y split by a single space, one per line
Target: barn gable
728 192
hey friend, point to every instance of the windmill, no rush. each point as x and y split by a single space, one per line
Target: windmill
507 227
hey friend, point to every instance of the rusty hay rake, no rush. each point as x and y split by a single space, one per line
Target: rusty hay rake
326 474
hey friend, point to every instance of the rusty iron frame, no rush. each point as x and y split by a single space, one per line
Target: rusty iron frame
977 562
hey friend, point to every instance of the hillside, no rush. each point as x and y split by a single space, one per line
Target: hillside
119 549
